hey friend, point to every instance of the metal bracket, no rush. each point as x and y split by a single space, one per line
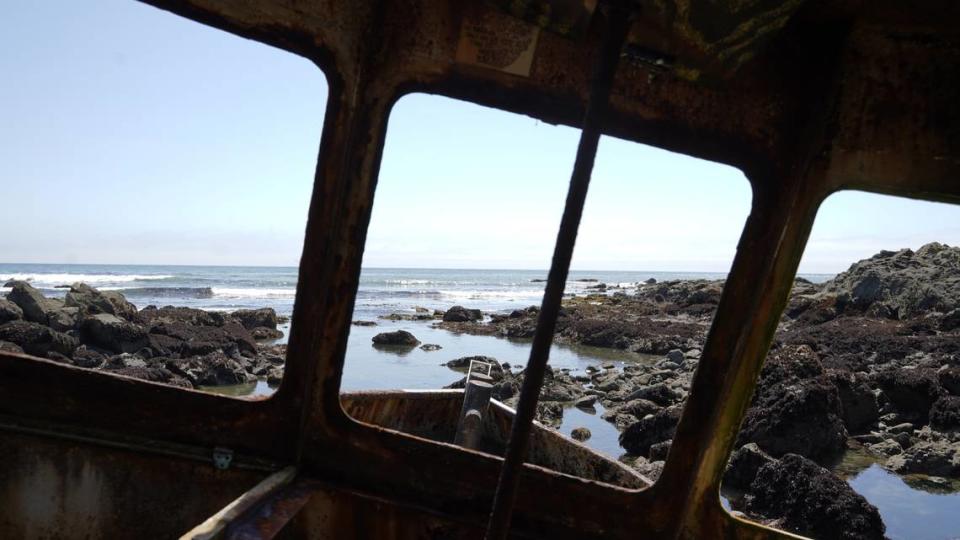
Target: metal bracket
222 457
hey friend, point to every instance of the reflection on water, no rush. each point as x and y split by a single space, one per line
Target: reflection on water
909 513
251 389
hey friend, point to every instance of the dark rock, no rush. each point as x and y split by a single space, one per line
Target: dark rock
650 281
802 417
113 333
676 356
9 311
462 314
193 340
430 347
911 391
36 339
63 319
744 464
950 380
945 413
639 407
659 451
905 283
262 333
90 301
153 374
859 404
586 402
275 376
463 363
397 337
121 308
661 394
650 430
256 318
950 321
580 434
7 347
938 458
364 323
651 470
550 414
34 305
86 357
153 316
213 369
810 500
57 357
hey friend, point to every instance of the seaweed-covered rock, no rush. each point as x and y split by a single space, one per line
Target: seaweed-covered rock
802 417
9 311
810 500
152 315
34 305
397 337
857 400
744 464
945 413
950 380
256 318
550 414
192 340
938 458
6 346
902 284
650 430
213 369
462 314
113 333
90 301
911 391
36 339
580 434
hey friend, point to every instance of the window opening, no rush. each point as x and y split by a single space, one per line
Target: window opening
156 175
658 236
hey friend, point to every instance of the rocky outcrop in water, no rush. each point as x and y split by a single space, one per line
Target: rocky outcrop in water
100 330
800 496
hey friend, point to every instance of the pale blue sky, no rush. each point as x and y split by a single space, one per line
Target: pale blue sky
130 135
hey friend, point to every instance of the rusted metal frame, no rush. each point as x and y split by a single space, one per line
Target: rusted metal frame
755 293
40 391
606 68
340 209
216 525
109 439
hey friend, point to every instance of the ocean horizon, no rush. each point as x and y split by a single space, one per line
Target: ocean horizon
381 290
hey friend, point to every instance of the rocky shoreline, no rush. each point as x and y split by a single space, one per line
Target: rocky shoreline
179 346
868 361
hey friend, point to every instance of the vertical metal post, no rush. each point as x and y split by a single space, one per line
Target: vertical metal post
601 83
476 400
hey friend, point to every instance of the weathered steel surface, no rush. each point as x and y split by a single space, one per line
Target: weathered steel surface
808 99
433 415
50 488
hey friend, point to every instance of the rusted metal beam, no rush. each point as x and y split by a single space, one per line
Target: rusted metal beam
476 399
606 68
216 525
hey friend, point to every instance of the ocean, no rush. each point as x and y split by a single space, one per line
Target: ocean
381 291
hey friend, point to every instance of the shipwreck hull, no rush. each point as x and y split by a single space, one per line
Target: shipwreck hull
807 98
